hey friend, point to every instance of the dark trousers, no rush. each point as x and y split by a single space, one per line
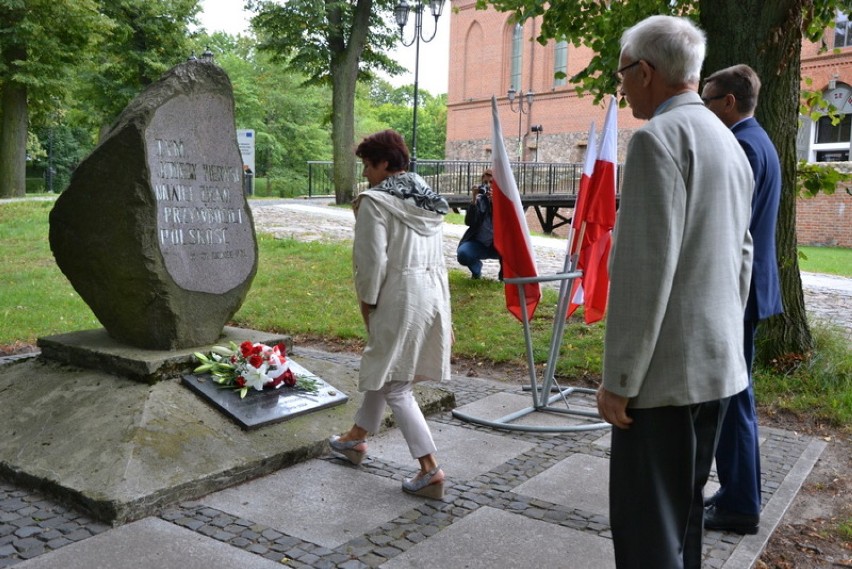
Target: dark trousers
470 254
738 453
658 469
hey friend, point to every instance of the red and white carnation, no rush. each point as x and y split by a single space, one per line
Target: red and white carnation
251 365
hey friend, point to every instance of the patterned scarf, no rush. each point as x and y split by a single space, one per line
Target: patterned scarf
406 185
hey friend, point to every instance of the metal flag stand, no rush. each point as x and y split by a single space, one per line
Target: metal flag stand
542 398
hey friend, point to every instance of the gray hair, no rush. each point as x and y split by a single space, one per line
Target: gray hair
673 46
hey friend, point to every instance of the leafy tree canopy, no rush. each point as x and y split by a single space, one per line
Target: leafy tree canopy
598 25
144 39
307 35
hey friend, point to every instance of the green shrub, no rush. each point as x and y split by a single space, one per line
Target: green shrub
275 187
35 186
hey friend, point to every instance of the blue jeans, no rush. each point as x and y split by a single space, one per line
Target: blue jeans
470 254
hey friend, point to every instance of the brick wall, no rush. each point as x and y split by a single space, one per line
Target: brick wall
825 220
480 48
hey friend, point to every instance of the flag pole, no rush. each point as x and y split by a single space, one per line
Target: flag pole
511 237
579 244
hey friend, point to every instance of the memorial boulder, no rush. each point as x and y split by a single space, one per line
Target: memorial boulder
154 232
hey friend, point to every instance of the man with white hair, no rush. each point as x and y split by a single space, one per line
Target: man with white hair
680 271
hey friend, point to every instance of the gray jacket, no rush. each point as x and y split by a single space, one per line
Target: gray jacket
681 262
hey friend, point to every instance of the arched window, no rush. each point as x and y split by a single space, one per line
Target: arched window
560 63
842 31
823 141
475 82
517 57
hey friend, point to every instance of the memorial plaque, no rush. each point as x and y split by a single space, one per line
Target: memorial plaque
203 229
259 408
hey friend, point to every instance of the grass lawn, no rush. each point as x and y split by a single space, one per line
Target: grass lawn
830 260
306 289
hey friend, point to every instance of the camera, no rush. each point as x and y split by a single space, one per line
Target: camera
483 189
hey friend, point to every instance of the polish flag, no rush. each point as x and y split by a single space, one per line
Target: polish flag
595 214
511 236
582 192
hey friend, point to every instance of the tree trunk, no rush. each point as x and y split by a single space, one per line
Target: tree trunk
343 131
768 37
13 140
346 48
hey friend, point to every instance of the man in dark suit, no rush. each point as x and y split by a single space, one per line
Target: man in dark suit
732 96
680 271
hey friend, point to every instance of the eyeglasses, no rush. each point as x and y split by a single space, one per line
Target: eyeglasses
619 74
716 98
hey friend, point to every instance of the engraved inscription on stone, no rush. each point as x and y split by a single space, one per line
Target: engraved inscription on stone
203 230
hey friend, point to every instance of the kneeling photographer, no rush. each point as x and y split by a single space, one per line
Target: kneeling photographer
477 243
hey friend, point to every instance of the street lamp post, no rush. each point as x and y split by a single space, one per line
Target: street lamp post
537 129
529 96
401 14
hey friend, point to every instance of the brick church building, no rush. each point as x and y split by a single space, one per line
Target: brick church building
491 55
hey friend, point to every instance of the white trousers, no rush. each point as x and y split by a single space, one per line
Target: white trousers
399 396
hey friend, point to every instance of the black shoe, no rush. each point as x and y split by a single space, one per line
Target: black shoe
716 518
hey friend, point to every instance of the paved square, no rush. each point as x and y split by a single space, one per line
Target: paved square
495 538
580 481
146 544
321 501
463 453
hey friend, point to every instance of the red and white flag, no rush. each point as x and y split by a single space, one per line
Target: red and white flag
595 215
511 235
582 192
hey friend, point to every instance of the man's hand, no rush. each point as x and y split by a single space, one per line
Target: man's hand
365 313
613 408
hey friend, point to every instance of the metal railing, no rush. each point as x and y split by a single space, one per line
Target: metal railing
449 177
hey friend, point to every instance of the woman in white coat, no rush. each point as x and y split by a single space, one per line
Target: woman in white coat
402 288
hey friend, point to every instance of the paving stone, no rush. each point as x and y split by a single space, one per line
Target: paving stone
271 534
296 553
32 552
372 560
223 536
28 531
78 535
190 523
58 542
257 548
287 541
309 559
